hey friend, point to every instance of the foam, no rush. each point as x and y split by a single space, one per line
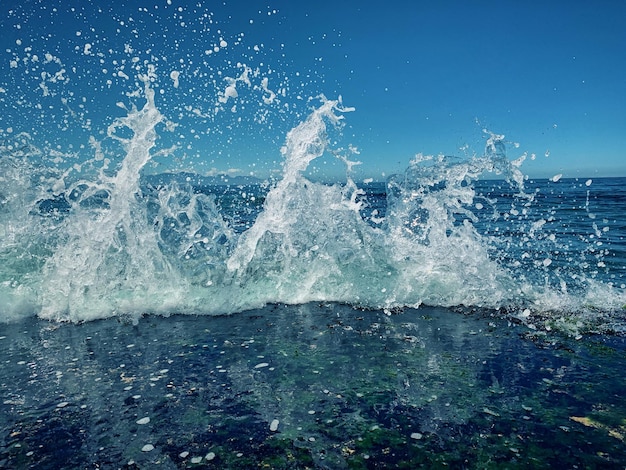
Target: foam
121 248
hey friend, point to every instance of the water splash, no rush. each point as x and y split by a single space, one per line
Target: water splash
110 253
110 243
304 143
123 249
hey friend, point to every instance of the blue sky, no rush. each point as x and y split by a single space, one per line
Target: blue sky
428 76
423 76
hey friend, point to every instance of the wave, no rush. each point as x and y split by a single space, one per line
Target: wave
120 243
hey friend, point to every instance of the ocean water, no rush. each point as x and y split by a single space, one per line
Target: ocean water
458 313
124 244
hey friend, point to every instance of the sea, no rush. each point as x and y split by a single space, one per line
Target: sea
455 314
458 314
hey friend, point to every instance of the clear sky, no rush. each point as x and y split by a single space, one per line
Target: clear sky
423 76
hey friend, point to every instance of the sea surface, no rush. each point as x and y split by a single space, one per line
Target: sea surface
457 315
316 385
158 314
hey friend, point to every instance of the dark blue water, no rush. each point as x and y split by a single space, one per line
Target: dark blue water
309 386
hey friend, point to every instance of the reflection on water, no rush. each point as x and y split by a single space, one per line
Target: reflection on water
317 386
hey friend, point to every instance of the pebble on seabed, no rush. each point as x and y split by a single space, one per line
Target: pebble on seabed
274 425
147 448
145 420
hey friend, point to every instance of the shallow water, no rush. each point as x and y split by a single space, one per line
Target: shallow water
310 386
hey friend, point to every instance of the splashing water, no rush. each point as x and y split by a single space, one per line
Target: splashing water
112 251
154 164
123 247
114 235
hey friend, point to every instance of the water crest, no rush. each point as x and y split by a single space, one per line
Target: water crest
438 234
106 214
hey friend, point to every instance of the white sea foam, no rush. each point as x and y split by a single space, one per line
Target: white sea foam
172 250
121 247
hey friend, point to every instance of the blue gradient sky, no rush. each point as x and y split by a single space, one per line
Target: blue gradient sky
428 76
423 76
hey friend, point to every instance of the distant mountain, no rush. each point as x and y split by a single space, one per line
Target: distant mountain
195 179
